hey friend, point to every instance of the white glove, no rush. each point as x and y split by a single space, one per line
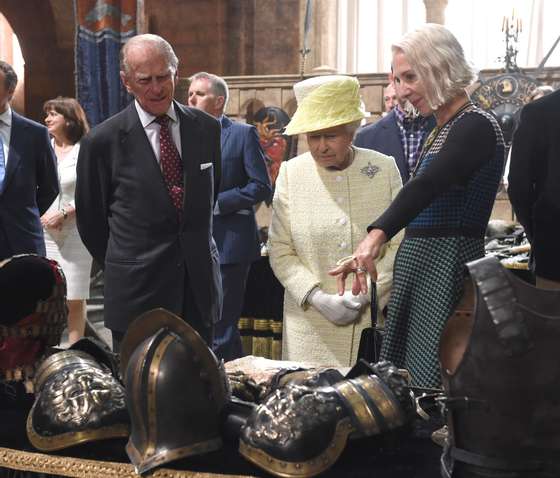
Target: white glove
352 301
340 310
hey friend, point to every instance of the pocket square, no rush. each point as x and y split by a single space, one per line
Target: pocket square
204 166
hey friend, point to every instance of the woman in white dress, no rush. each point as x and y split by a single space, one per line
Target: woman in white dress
67 123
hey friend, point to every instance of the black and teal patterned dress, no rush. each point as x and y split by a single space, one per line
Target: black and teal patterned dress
445 208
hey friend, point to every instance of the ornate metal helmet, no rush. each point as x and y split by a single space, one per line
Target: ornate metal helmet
77 400
300 431
33 314
175 391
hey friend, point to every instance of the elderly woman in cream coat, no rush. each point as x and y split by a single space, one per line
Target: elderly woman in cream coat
322 206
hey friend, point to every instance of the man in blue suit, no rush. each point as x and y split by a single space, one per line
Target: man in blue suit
28 176
245 183
400 133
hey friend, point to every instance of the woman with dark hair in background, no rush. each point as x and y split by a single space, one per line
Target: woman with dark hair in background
67 123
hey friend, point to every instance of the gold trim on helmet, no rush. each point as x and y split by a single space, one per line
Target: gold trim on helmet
391 412
360 407
65 440
304 469
153 375
146 351
167 456
60 360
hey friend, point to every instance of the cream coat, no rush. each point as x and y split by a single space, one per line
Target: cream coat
318 217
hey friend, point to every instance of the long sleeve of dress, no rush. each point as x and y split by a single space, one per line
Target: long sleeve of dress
471 142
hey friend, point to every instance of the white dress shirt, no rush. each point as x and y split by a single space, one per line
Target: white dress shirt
6 131
152 128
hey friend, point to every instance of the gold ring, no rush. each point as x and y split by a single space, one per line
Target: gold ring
345 260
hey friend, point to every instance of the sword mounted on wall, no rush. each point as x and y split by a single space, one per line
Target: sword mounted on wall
546 57
305 50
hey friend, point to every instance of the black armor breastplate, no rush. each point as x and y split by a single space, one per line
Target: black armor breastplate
503 394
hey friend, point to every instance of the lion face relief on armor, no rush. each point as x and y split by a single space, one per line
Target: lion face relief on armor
78 400
300 431
290 412
79 396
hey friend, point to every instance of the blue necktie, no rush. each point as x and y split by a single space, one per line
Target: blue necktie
2 164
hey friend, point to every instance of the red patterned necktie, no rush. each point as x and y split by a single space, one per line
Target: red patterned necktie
170 161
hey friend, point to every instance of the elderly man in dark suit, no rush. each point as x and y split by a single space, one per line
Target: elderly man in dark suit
400 134
28 177
534 181
146 185
245 183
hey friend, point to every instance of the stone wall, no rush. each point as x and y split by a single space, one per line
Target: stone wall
226 37
241 37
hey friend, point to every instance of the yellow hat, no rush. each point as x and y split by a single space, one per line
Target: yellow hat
324 102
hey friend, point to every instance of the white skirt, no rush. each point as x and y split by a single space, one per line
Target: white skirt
66 248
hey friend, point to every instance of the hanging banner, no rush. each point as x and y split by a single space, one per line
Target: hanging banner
102 26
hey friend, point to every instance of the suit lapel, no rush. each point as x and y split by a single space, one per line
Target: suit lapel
226 130
395 135
17 145
137 143
138 147
190 153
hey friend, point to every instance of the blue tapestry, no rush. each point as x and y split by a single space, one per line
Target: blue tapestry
102 26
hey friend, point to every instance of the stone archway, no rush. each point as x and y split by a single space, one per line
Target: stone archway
47 47
10 52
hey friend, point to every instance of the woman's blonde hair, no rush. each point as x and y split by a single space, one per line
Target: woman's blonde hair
439 61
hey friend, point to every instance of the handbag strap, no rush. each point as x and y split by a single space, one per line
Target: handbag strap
373 304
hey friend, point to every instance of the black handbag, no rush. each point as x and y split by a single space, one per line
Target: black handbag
371 338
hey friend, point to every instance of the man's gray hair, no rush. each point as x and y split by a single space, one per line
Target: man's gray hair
540 91
218 86
439 61
153 41
10 76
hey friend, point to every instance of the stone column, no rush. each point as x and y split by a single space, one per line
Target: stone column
322 37
435 11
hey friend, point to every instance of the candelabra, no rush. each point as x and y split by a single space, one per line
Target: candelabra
511 27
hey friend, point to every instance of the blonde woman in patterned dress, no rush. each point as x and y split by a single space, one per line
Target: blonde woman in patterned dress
445 207
322 204
67 124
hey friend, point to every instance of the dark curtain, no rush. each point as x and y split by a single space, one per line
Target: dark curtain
260 324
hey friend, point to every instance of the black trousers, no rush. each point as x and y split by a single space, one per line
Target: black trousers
190 313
